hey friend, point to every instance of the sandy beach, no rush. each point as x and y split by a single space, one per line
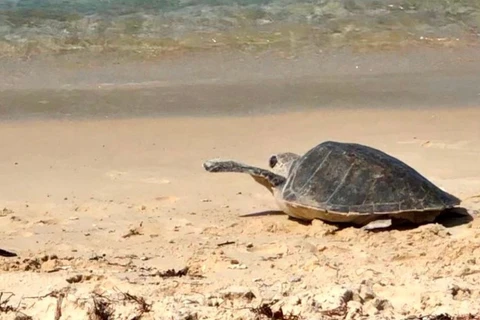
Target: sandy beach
99 210
105 201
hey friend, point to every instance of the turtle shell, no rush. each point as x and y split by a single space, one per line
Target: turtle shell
350 178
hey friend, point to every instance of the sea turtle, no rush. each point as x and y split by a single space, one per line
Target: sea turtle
341 182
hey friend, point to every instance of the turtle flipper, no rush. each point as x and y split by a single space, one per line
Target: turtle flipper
5 253
262 176
378 224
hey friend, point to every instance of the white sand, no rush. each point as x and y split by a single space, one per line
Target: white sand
75 189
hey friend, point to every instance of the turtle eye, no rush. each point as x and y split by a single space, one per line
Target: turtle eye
273 161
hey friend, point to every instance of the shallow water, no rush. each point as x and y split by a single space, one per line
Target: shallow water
152 27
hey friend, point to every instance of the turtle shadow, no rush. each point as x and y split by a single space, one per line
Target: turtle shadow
449 218
263 213
275 213
455 217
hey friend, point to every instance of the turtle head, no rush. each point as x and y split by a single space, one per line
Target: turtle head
282 162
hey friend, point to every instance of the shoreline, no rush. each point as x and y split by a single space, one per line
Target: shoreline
341 110
230 84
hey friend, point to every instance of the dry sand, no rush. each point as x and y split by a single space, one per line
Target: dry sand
97 210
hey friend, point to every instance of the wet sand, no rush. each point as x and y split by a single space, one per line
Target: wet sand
234 84
97 208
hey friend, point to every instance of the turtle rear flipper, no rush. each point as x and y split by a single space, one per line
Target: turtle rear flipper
265 177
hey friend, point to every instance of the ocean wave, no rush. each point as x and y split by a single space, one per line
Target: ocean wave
30 27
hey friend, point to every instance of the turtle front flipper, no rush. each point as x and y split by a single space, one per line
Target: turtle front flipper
266 178
8 254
